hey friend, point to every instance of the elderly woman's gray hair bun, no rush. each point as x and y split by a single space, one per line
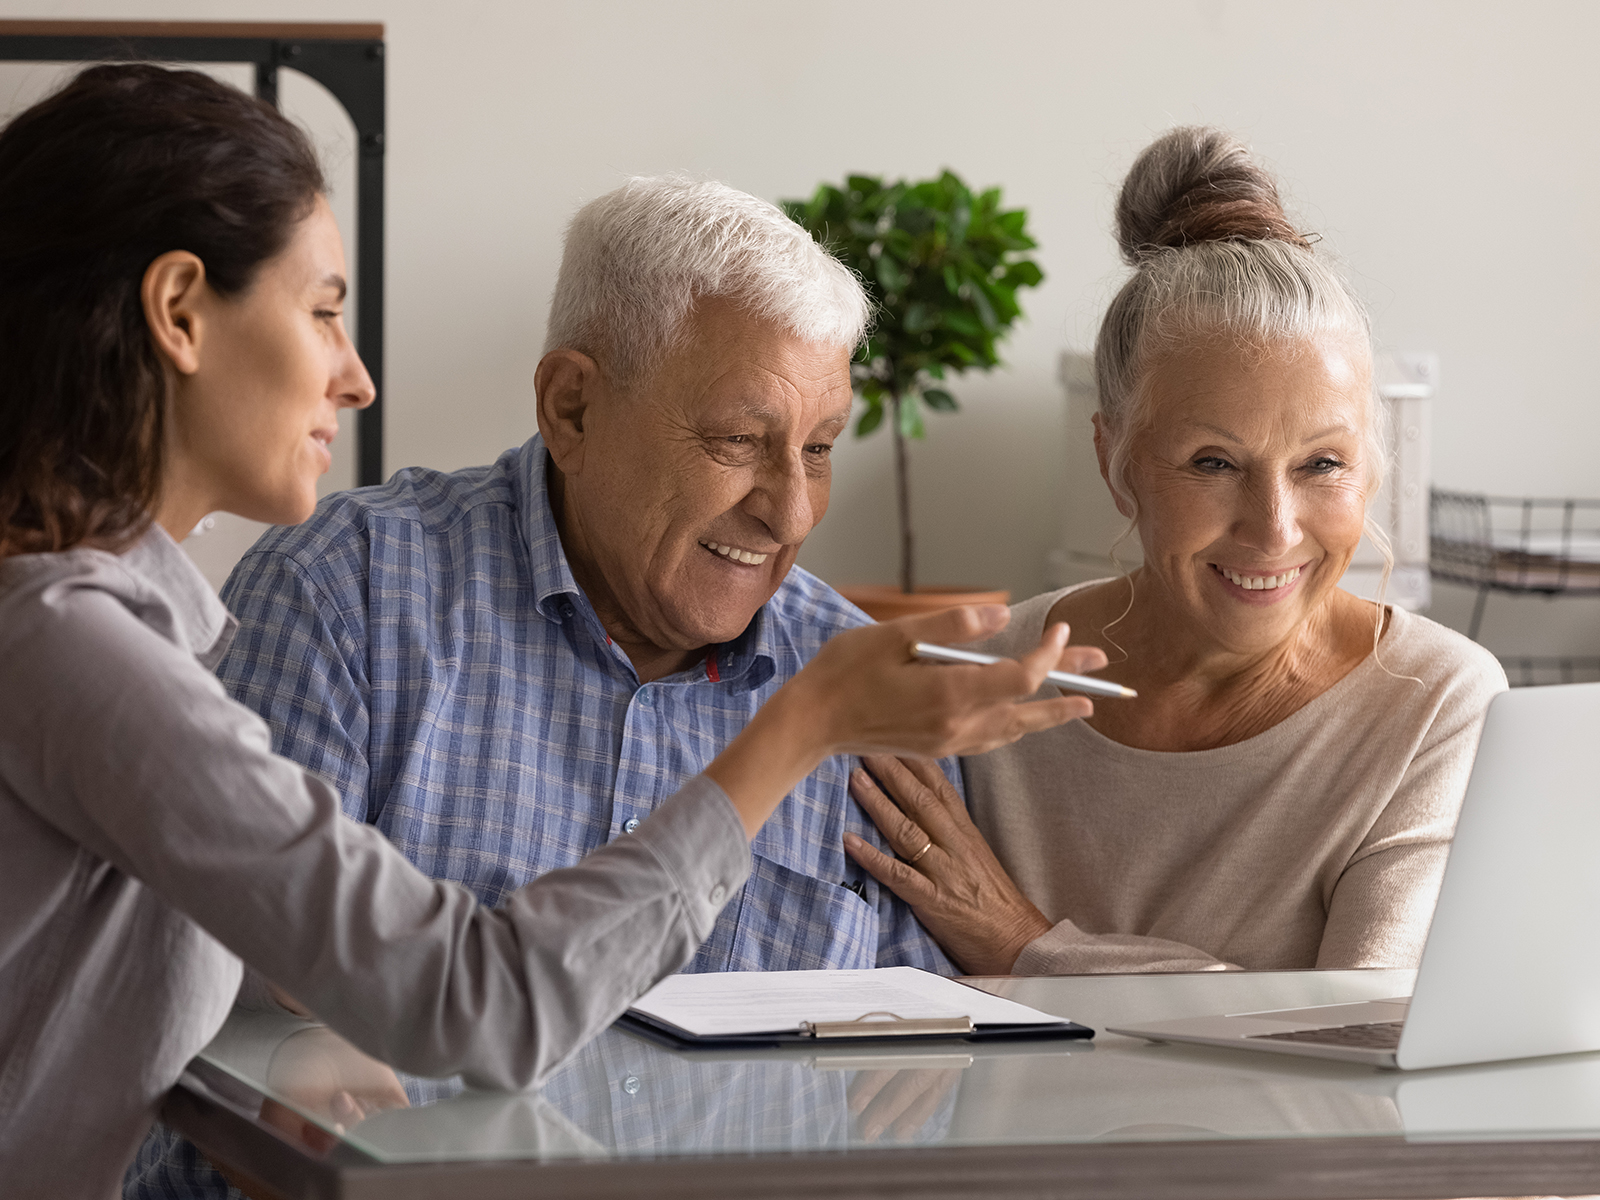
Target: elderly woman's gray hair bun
1214 256
1196 184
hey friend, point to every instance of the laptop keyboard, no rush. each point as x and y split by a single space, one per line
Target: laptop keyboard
1380 1035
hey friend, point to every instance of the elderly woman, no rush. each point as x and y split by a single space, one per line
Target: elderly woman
1283 790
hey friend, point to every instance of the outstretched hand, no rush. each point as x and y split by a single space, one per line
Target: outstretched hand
866 693
881 699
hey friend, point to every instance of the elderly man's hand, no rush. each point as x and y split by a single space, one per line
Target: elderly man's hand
866 693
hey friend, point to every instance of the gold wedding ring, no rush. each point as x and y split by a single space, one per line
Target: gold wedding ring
920 853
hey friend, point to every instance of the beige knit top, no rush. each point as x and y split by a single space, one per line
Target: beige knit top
1318 843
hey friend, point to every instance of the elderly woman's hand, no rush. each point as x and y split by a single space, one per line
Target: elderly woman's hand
946 871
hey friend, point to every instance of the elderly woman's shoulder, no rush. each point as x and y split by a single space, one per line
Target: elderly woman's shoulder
1416 647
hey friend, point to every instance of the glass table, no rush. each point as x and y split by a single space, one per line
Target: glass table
299 1112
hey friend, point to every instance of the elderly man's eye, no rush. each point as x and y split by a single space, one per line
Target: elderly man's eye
820 449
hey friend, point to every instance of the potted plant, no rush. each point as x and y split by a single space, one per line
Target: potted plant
943 267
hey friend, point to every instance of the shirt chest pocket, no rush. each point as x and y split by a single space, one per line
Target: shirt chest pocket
784 920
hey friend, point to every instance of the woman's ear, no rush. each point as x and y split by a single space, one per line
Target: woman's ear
172 293
1102 454
567 383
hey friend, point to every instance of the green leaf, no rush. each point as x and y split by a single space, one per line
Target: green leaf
940 400
890 275
911 418
1011 223
980 301
870 420
962 321
1025 273
920 317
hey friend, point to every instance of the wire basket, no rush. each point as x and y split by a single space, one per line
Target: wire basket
1515 545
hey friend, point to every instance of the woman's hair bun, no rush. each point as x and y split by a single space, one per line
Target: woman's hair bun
1198 184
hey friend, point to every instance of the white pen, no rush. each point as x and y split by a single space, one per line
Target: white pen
1073 683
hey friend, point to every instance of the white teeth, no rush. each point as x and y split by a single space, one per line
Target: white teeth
749 557
1261 583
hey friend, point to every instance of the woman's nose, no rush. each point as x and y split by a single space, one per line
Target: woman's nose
1271 525
351 385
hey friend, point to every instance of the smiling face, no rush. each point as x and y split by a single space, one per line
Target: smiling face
256 407
685 500
1251 476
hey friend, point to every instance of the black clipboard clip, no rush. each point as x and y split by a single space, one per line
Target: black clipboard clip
888 1024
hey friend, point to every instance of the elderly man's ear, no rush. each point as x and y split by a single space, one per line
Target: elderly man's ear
567 383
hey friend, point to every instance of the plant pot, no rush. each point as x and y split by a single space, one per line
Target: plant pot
885 602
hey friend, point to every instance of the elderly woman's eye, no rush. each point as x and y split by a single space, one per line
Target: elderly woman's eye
1212 463
1324 463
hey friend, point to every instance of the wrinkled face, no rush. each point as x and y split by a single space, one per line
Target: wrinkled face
1251 480
698 487
253 425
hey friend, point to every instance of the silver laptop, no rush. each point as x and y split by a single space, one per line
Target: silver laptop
1512 964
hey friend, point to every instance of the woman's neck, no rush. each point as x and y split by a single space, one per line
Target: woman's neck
1194 693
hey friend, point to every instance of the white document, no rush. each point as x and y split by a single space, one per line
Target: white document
730 1003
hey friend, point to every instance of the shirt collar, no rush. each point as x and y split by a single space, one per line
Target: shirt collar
190 614
746 662
554 587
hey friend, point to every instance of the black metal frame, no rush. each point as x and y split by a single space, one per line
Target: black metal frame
352 68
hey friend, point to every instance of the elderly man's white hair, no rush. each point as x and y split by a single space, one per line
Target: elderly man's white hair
638 259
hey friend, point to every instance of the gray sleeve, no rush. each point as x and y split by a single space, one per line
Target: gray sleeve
128 746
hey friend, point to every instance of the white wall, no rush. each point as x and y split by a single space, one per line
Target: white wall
1446 150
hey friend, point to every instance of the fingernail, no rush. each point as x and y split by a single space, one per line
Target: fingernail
994 612
852 841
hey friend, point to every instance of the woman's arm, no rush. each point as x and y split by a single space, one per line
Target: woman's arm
122 741
966 899
1382 905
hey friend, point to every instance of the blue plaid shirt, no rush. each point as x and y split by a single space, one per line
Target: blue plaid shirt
424 646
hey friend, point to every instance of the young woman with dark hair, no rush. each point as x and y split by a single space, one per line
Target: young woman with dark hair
171 343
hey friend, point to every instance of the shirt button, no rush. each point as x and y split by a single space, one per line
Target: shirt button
630 825
631 1085
718 894
644 697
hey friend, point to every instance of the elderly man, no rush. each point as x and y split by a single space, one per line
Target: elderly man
504 667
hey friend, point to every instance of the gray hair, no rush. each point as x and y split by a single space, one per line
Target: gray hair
1214 256
639 258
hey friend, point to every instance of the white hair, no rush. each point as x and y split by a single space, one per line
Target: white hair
638 259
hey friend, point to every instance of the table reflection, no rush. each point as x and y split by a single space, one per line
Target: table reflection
623 1096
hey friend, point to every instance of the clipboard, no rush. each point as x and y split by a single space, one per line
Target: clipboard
768 1009
862 1030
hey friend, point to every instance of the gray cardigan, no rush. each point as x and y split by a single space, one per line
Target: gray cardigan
148 836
